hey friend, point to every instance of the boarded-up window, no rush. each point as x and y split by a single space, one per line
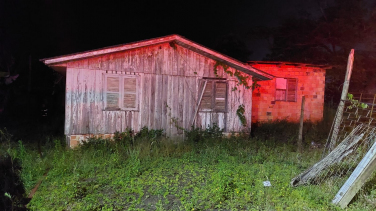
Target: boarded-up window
214 95
206 101
220 89
121 92
286 89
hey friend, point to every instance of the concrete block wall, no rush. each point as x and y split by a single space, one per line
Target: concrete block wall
311 84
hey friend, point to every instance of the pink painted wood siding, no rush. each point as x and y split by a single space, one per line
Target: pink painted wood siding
168 92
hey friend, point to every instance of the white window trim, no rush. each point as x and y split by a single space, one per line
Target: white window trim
121 92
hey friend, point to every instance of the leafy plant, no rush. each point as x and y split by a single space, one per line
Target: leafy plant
240 112
355 103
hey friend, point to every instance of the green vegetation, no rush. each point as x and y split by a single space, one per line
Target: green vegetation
207 171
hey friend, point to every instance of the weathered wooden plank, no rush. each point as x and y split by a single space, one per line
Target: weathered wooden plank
170 97
166 64
174 105
94 63
152 99
247 98
99 99
191 61
357 179
81 108
206 71
201 120
188 63
148 60
221 121
210 68
181 62
164 102
158 61
110 122
158 101
125 62
136 126
172 62
231 107
180 111
105 62
200 66
68 101
209 121
136 60
186 102
89 99
141 103
75 105
119 121
145 101
214 119
111 63
119 61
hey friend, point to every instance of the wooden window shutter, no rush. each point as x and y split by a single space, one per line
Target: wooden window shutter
220 96
292 84
130 93
112 92
206 101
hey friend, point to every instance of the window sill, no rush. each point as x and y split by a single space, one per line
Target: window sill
119 109
212 111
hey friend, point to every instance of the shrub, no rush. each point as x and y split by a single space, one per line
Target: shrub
198 135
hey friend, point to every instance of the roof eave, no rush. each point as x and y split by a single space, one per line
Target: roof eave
171 38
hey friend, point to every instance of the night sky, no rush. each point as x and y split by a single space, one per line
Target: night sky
46 28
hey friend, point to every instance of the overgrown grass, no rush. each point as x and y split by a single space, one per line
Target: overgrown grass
149 172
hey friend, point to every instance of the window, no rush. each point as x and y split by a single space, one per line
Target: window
121 92
286 89
214 96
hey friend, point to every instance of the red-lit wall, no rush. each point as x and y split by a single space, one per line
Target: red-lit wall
311 84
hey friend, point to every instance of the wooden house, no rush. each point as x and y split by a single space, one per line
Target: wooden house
168 83
281 97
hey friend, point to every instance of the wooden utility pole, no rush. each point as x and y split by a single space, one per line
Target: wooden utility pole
300 142
341 105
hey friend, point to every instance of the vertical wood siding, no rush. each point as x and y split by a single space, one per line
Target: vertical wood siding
168 92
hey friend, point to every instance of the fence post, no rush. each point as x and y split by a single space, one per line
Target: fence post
341 105
300 142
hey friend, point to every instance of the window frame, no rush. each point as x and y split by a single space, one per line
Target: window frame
121 92
287 90
213 94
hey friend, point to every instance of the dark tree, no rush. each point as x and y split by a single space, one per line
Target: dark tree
233 46
328 40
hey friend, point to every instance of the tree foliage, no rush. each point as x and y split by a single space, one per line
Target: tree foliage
328 40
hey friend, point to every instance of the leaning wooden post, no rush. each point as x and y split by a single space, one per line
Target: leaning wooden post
341 105
360 175
300 142
198 103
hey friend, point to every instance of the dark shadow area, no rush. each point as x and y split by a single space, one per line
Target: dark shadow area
12 191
